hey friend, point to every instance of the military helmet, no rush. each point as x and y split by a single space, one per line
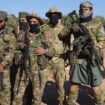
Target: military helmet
3 15
54 10
23 14
34 15
86 4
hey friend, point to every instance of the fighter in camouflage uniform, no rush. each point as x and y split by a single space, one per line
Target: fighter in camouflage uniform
82 71
7 48
57 63
17 68
39 52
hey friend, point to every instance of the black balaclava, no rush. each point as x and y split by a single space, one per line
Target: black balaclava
23 26
54 18
34 28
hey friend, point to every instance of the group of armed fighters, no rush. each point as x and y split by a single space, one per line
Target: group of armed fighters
32 50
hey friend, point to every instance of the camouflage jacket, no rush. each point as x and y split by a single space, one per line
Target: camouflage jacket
20 39
96 30
7 46
38 40
57 44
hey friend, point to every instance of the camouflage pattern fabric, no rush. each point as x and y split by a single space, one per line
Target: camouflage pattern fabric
7 48
78 73
17 71
37 65
56 65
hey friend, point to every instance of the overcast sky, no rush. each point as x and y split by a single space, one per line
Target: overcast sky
42 6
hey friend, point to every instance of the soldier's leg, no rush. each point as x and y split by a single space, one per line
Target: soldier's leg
3 99
59 75
38 86
103 81
19 87
19 98
14 77
97 95
6 91
43 79
73 94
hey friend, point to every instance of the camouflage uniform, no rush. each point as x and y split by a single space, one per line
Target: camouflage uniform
56 65
37 64
7 48
83 72
17 68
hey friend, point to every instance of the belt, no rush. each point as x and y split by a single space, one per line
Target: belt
80 61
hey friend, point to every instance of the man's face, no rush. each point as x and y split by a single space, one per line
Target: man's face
2 23
54 18
85 10
34 25
33 21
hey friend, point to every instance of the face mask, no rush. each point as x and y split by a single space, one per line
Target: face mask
23 26
54 19
34 28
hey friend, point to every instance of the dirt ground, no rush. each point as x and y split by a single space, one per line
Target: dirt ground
50 96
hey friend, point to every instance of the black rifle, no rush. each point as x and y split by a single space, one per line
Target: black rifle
27 70
88 40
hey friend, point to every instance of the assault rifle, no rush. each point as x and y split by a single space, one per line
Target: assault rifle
27 70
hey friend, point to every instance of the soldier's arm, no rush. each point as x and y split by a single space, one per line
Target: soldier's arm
50 52
101 42
101 36
9 54
64 32
47 50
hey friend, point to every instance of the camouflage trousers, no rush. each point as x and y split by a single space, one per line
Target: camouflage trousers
38 83
57 68
5 94
74 92
17 84
40 77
